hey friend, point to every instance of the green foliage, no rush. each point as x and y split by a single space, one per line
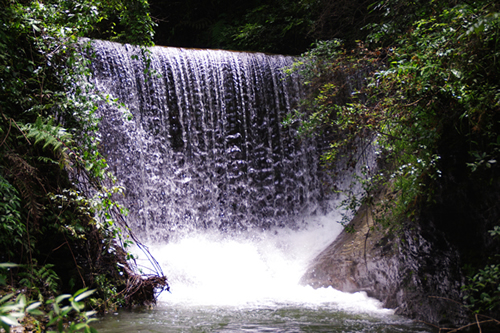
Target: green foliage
13 311
125 21
437 83
110 298
59 313
425 88
54 207
396 18
50 136
276 26
432 92
483 288
40 280
12 229
271 26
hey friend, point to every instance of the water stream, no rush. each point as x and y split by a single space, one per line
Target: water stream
232 204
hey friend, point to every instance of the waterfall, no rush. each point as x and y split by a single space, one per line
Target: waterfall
205 147
230 201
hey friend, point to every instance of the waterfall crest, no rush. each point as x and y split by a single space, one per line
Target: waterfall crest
205 147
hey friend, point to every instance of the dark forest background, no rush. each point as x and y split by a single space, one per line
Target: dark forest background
276 26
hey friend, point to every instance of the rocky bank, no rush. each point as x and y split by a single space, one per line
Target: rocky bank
412 269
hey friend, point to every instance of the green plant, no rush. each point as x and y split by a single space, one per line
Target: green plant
12 229
110 298
276 26
413 98
11 311
483 288
14 310
430 100
41 280
335 110
56 203
59 313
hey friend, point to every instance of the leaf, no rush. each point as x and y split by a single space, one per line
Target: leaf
77 306
6 298
33 306
65 310
80 326
52 321
36 312
62 297
57 309
5 326
84 295
9 320
21 300
90 313
11 307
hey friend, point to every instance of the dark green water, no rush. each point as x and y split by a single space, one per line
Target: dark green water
276 318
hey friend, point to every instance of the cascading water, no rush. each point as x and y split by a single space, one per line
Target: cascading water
205 147
229 200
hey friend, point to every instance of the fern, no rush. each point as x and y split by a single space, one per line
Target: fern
42 280
25 176
12 228
49 135
26 179
46 160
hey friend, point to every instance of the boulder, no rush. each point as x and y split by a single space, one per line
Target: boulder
411 268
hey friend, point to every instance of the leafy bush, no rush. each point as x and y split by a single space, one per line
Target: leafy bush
12 230
436 84
14 309
40 281
56 191
483 289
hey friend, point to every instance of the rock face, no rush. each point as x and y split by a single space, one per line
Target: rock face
415 270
